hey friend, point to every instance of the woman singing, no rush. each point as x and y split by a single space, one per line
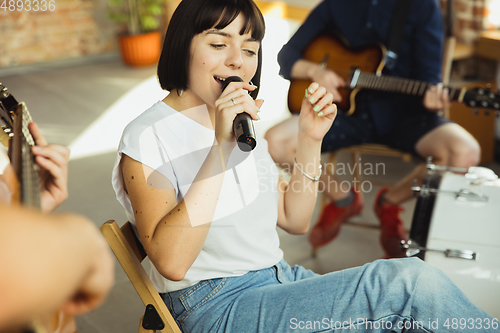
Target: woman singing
207 212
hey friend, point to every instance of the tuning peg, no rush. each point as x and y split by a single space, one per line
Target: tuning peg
480 91
496 105
475 112
4 93
488 87
484 104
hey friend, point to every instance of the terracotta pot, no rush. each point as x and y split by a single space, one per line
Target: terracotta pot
140 50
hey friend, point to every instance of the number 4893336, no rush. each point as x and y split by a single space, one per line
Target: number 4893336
28 5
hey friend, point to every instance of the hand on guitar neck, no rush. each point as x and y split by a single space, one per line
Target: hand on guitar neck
437 98
53 162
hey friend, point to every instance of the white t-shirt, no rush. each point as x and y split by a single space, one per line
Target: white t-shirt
242 235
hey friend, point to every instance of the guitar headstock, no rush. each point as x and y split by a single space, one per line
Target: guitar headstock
483 98
14 120
7 106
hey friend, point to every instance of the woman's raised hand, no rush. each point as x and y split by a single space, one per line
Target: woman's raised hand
317 112
234 100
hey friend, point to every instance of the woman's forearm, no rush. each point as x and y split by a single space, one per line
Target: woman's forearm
301 194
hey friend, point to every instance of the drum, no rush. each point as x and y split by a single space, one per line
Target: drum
456 227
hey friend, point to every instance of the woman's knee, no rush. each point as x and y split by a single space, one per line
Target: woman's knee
272 144
422 278
280 147
408 272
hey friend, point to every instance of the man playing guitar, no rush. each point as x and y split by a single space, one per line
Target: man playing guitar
51 264
405 122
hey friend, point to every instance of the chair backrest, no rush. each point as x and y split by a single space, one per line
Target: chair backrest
130 253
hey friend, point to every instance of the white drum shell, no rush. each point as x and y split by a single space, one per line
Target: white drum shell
458 224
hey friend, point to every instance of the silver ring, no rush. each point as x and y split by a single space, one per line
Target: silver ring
234 103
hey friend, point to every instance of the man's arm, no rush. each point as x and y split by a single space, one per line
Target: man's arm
50 262
317 21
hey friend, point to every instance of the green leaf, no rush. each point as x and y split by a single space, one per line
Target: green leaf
155 9
114 3
118 17
149 23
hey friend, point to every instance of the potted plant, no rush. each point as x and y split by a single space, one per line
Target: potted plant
140 41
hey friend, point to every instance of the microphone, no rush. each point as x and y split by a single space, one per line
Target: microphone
242 124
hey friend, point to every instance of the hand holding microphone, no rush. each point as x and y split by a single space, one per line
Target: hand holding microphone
242 125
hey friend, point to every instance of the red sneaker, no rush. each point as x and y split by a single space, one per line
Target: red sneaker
328 226
391 226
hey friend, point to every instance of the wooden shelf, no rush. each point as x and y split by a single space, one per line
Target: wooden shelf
488 45
463 51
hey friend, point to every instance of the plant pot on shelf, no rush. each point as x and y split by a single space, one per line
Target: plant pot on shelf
141 49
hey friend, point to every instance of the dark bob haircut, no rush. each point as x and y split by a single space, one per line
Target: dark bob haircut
192 17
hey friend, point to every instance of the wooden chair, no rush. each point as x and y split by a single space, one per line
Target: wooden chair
130 253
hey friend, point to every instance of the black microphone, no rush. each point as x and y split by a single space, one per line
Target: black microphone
242 124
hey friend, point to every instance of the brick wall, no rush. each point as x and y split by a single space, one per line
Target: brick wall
74 28
79 27
468 18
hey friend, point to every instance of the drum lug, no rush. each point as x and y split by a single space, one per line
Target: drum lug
476 174
468 195
462 195
412 250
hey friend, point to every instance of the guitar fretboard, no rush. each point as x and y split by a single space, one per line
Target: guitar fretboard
399 85
30 172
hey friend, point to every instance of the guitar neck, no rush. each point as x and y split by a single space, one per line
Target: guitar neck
23 161
398 85
364 66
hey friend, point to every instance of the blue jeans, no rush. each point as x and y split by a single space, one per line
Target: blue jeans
398 295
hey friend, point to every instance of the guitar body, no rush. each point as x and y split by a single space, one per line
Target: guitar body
341 58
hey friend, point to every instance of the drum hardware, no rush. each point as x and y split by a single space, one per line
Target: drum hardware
475 174
462 195
435 167
412 250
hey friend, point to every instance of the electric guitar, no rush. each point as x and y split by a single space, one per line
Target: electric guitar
14 120
361 68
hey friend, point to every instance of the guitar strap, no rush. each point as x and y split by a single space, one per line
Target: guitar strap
396 34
